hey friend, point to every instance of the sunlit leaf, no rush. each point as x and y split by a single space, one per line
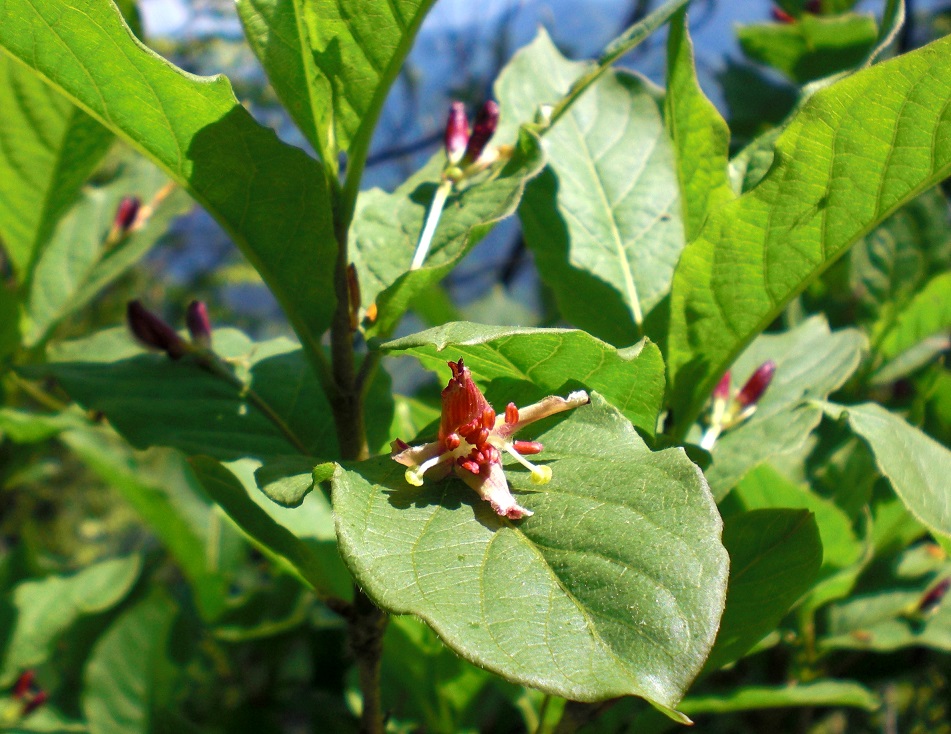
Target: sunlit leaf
631 379
614 587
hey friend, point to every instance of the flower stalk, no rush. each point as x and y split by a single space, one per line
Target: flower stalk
466 155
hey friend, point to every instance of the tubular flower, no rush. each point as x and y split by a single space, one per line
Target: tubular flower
472 439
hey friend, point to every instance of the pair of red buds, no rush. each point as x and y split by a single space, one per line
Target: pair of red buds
728 410
29 693
463 147
752 391
154 333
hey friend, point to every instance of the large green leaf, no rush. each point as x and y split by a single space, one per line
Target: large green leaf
270 197
161 488
331 62
48 148
700 137
125 667
811 361
917 466
301 540
614 587
604 221
154 401
387 227
77 264
45 608
812 47
854 152
631 379
775 555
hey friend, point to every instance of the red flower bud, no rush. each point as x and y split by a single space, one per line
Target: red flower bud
151 331
462 403
781 16
23 684
39 698
199 325
814 7
722 390
483 130
755 386
126 213
931 600
457 132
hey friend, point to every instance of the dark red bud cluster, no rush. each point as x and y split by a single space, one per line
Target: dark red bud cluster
126 213
754 388
482 131
151 331
26 690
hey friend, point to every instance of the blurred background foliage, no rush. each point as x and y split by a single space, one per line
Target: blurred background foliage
249 649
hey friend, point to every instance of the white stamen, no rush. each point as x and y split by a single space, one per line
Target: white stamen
540 474
414 475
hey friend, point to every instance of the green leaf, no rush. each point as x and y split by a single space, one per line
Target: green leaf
917 466
161 488
700 137
832 181
928 313
814 46
48 148
631 379
288 479
386 228
885 621
21 426
604 221
121 677
301 540
270 197
332 63
889 266
47 607
811 361
766 488
9 323
775 555
816 693
78 263
620 568
154 401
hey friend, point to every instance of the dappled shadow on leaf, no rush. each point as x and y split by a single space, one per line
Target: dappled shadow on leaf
386 476
588 301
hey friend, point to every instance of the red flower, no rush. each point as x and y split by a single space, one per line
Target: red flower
472 438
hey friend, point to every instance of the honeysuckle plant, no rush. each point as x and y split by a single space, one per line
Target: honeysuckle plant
327 553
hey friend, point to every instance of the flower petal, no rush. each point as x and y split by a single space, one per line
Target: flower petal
542 409
491 486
